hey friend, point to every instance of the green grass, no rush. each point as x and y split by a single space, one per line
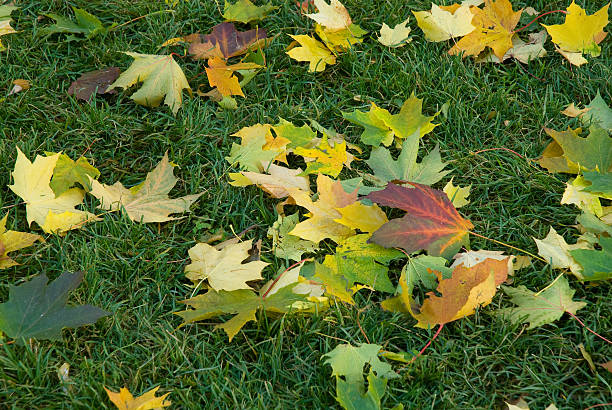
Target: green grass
132 269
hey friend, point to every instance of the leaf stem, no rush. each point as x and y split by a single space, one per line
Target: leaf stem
509 246
535 19
550 284
280 275
141 17
587 328
428 343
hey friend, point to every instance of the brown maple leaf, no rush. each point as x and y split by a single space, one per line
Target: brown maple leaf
225 41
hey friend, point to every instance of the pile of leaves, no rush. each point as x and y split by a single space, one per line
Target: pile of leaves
339 230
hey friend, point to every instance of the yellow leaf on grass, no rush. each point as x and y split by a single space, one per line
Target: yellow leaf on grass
333 16
125 401
222 76
312 51
223 268
580 33
366 218
458 195
395 37
160 76
495 25
31 183
322 223
440 24
11 241
324 158
5 22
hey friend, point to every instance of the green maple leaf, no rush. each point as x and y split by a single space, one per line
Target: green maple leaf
242 303
35 310
596 264
429 171
351 396
375 131
601 184
591 153
250 154
599 113
540 308
302 136
68 172
86 24
244 11
160 76
593 224
348 362
289 246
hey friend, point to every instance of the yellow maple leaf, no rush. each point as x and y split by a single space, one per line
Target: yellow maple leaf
324 158
312 51
580 33
494 29
124 400
223 268
322 223
11 241
5 22
222 76
31 183
279 144
395 37
440 24
457 194
333 16
366 218
160 76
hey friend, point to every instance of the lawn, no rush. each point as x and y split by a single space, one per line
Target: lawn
136 271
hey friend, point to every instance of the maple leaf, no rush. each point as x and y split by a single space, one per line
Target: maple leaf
406 168
494 25
312 51
222 76
285 245
340 40
86 24
94 82
225 41
591 153
397 36
324 158
556 251
580 33
458 195
441 24
600 184
596 112
575 193
277 183
68 172
356 261
251 153
380 125
333 16
31 183
596 264
160 76
366 218
242 303
244 11
5 22
322 223
11 241
521 50
431 221
147 201
223 268
124 400
302 136
540 308
35 310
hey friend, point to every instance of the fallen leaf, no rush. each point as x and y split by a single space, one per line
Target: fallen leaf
147 201
19 85
579 34
68 172
494 28
35 310
222 76
597 112
276 182
288 246
607 366
324 158
596 264
94 82
521 51
333 16
5 22
125 401
31 184
599 184
228 41
252 153
458 195
244 11
556 251
440 24
540 308
321 223
86 24
312 51
11 241
223 269
348 362
397 36
591 153
302 136
366 218
340 40
431 221
160 76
